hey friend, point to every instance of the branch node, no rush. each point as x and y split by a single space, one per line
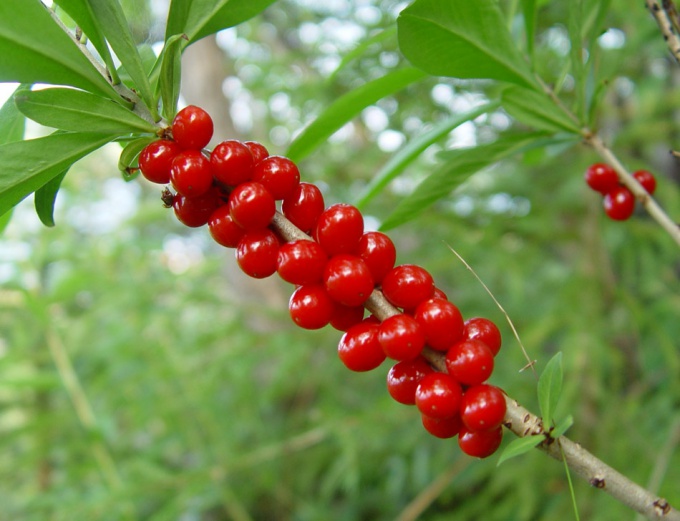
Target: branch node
598 482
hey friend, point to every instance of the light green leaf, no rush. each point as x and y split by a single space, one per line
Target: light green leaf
170 75
520 446
347 107
576 53
148 57
536 109
35 49
461 39
550 388
75 110
130 153
362 48
12 122
28 165
4 220
45 196
413 149
562 427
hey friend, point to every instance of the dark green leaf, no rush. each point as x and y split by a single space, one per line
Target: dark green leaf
45 196
4 220
520 446
550 388
131 151
412 150
562 427
529 15
461 39
536 109
35 49
170 75
75 110
12 122
347 107
28 165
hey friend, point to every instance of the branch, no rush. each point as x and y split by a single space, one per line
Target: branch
666 25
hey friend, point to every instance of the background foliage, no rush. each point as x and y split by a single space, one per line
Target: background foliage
142 377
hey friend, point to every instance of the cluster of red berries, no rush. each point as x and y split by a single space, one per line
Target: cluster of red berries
234 190
619 201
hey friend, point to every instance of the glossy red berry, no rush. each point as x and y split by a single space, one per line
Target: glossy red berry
407 285
646 179
442 427
195 211
441 323
378 252
339 229
470 362
401 337
258 151
310 307
257 252
345 317
619 203
480 444
223 229
301 262
438 293
251 206
601 178
304 206
482 407
232 163
348 280
190 173
192 128
483 329
279 175
403 379
438 395
359 348
156 158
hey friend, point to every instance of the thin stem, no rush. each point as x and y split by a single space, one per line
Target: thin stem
571 485
666 26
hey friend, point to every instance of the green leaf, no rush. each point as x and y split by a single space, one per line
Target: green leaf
35 49
45 196
536 109
461 39
28 165
550 388
76 110
170 75
529 14
148 57
128 157
576 53
12 122
347 107
362 48
4 220
520 446
562 427
413 149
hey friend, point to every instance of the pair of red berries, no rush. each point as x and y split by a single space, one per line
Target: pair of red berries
235 188
619 201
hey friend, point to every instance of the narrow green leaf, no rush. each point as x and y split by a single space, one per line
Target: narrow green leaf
28 165
12 122
520 446
45 197
461 39
529 14
4 220
550 388
170 75
362 48
130 153
35 49
413 149
562 427
536 109
178 15
76 110
148 57
347 107
576 54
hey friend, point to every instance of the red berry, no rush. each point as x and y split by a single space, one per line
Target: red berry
232 163
601 178
257 252
407 285
190 173
192 128
195 211
301 262
438 395
482 407
441 322
442 427
359 348
251 206
483 329
223 228
278 174
439 294
378 252
345 317
470 362
404 377
339 229
401 337
348 280
310 307
619 203
480 444
156 158
646 179
304 206
258 151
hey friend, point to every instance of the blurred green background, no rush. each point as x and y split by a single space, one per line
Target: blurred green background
142 376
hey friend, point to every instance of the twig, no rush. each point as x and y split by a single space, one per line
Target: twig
666 26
